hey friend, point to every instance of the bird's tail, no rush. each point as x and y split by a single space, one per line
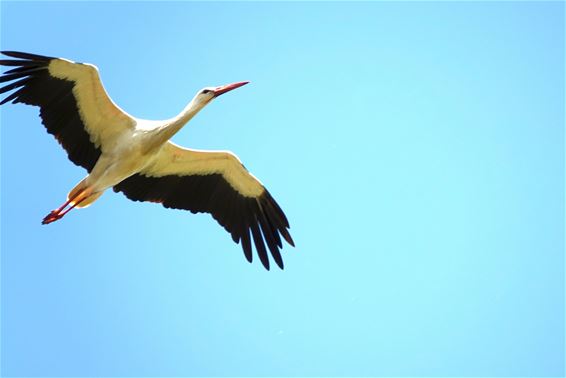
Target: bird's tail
89 200
86 201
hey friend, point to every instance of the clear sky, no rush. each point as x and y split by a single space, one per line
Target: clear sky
417 149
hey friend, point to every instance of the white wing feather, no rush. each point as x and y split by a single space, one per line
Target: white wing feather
175 160
103 119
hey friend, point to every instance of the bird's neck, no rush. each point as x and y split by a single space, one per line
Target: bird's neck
172 126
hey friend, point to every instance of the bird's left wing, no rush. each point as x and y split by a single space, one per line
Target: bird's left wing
75 108
215 183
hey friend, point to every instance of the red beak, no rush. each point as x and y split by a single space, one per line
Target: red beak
226 88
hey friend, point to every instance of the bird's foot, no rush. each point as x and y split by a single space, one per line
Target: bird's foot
52 217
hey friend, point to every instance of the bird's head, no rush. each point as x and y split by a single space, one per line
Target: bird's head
205 95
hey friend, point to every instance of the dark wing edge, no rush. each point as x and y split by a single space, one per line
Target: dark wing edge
246 218
33 85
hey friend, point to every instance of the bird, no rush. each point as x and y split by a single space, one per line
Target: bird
136 157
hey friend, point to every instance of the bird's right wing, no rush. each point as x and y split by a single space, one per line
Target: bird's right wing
214 182
75 108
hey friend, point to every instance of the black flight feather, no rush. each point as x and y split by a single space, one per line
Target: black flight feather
59 109
243 217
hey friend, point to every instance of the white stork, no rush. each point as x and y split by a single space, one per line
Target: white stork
135 156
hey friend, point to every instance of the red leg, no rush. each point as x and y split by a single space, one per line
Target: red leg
59 213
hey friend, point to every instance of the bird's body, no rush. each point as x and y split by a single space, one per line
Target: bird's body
130 152
135 156
127 156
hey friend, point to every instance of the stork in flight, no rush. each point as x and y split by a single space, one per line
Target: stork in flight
136 157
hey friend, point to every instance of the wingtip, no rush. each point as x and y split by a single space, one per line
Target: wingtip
7 99
287 236
27 56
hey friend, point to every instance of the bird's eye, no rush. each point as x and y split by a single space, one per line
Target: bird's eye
205 91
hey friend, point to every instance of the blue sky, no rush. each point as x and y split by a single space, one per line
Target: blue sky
417 149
